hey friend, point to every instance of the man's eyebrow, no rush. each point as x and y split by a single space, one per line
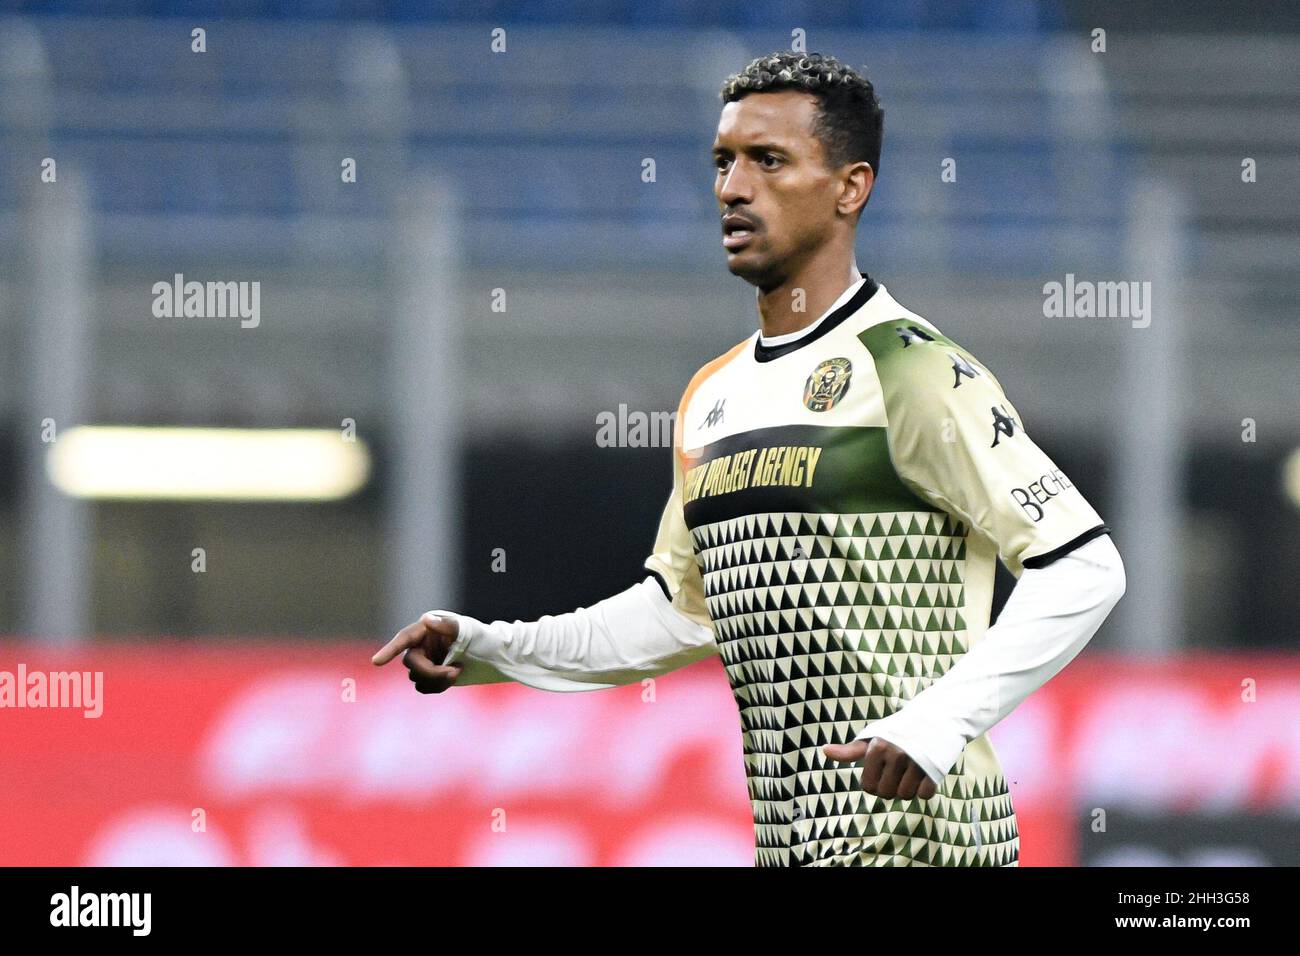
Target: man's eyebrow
755 148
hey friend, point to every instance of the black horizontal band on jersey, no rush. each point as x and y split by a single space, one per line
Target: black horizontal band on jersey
765 353
1043 560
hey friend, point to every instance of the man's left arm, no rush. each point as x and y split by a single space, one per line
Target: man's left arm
1051 614
958 442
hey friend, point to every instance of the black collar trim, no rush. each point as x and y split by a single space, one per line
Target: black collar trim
766 353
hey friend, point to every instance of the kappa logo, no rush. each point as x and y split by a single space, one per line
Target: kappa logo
1003 424
961 367
715 414
911 334
828 383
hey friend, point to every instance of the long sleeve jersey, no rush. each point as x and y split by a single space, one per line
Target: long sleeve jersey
841 497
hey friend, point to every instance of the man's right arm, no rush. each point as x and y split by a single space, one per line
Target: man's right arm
651 628
622 639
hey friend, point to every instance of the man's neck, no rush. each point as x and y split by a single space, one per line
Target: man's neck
804 298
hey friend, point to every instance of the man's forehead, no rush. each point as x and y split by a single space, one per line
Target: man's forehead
766 117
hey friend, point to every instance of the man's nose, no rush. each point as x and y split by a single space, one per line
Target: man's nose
736 186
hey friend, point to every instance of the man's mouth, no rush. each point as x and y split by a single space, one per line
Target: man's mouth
736 232
736 240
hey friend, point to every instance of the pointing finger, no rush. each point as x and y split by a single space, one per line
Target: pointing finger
408 637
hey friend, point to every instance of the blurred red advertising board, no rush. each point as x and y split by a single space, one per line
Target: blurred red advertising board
284 754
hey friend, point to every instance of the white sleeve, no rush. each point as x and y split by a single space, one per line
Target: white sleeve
1052 612
622 639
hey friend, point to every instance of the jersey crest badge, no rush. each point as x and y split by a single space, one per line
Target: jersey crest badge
828 383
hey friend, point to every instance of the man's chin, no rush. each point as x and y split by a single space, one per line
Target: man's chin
750 268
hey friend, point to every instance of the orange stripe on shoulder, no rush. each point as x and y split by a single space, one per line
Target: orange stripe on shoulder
697 380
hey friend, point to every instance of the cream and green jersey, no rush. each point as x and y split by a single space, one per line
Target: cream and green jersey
840 501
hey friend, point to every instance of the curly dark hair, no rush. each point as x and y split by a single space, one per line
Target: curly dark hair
850 121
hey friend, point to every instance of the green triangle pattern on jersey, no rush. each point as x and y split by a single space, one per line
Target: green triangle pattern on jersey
826 622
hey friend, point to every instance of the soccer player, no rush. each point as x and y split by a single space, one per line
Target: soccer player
844 482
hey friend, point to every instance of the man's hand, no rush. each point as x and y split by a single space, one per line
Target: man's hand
888 771
423 645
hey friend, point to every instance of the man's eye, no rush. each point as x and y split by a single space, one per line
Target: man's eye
774 160
720 161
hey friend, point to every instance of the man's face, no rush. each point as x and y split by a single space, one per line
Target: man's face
773 180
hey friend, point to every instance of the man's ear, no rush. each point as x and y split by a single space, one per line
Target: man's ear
856 185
